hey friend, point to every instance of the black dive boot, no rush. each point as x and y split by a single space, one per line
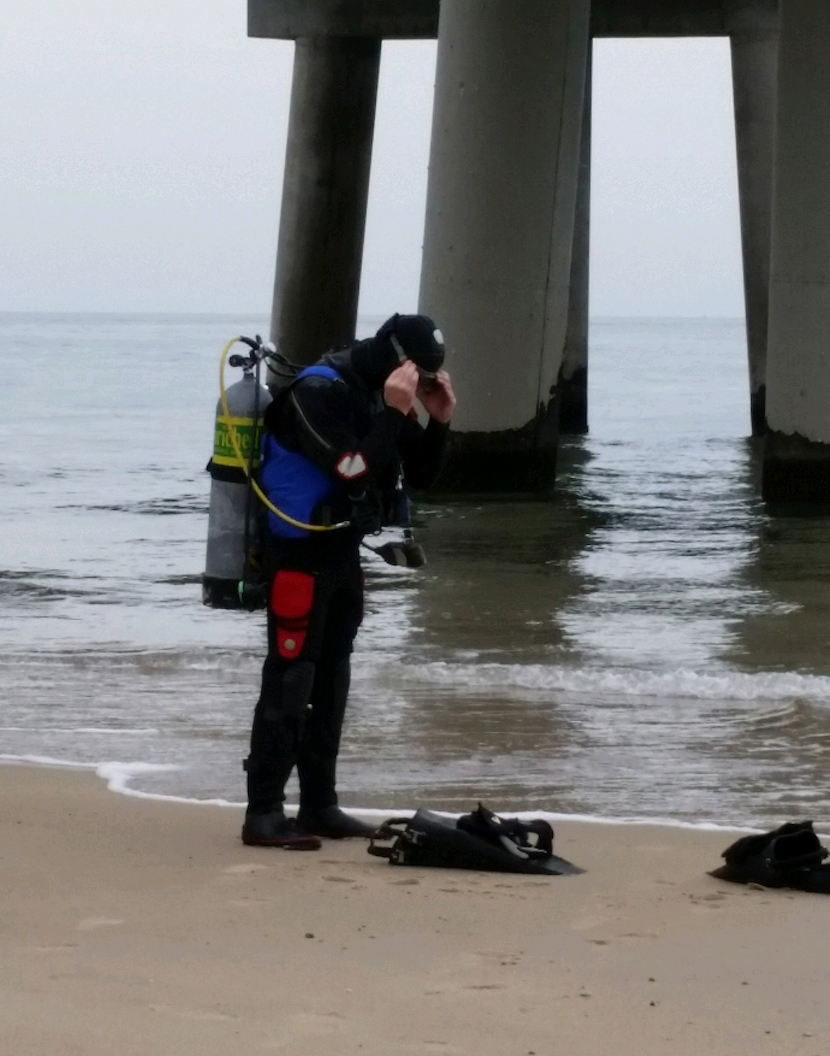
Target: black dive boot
332 822
276 830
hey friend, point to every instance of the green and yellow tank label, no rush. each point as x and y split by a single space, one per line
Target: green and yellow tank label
223 452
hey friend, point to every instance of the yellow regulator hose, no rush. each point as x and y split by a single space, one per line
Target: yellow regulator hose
237 450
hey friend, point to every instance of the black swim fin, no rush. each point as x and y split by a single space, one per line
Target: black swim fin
790 856
480 840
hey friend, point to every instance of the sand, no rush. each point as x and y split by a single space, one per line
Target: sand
139 927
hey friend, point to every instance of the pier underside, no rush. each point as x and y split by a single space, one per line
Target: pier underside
418 19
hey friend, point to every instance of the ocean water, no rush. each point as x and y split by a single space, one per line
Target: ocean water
650 644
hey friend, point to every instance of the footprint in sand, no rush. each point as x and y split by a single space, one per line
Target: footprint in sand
431 1045
193 1013
91 923
504 959
586 923
305 1024
707 902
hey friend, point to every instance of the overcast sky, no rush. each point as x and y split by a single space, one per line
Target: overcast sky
142 146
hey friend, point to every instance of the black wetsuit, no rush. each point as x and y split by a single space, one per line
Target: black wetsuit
316 582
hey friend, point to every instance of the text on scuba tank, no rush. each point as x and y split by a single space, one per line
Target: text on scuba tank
223 450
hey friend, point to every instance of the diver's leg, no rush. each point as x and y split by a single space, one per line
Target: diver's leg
320 741
275 734
287 683
320 744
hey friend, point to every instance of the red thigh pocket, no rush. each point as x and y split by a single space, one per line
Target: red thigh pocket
292 595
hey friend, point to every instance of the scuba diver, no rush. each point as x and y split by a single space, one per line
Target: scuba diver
338 443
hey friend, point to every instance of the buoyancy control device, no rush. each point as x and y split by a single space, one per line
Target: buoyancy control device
291 481
234 576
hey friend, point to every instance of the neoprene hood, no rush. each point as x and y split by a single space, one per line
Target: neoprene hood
415 337
402 337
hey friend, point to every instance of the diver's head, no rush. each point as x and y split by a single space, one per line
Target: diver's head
417 338
403 337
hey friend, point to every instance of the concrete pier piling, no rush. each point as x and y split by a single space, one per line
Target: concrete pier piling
754 78
505 262
797 448
573 376
499 227
325 192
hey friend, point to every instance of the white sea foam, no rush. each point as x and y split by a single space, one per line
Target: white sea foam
725 684
114 730
118 776
728 685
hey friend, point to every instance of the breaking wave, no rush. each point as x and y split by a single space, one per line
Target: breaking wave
728 685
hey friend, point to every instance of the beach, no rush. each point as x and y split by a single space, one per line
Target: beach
650 646
134 926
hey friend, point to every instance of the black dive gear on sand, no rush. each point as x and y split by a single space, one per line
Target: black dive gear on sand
790 856
315 592
480 840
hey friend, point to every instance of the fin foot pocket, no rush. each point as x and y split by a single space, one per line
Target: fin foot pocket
790 856
480 840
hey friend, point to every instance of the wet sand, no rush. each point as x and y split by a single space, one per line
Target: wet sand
138 927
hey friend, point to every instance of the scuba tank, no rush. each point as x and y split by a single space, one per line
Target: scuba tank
232 569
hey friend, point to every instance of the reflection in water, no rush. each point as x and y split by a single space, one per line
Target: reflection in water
649 644
611 658
580 669
661 573
497 574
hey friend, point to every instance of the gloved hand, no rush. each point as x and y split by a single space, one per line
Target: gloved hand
406 554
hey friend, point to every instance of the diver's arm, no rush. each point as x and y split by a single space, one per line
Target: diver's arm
323 416
422 451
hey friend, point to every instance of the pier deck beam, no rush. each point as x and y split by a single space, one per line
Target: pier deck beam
754 76
325 192
499 228
573 377
797 450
